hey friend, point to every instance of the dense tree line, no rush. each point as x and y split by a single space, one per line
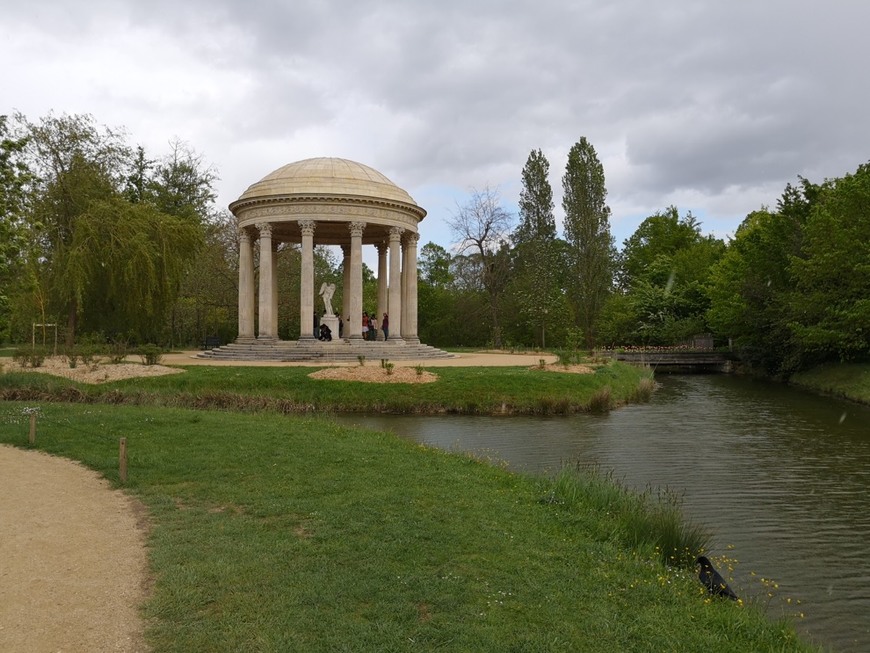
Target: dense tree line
790 290
109 243
98 239
793 287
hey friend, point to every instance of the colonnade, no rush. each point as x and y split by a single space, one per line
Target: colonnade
397 283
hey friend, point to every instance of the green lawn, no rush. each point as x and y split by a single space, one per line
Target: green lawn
467 390
289 533
848 380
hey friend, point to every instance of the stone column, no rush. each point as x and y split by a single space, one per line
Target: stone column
306 281
382 287
404 287
345 288
354 329
409 300
395 292
246 286
275 289
266 281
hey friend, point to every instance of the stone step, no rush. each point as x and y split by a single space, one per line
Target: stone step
315 350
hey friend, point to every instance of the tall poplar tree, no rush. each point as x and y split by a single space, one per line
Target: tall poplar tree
534 240
591 252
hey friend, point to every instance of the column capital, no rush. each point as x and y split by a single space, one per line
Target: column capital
396 233
244 236
382 247
411 238
307 227
356 229
265 229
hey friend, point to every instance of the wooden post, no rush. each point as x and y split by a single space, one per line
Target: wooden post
32 429
122 460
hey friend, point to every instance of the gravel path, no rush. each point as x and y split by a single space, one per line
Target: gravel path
73 564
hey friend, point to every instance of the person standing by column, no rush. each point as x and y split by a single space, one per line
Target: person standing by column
385 326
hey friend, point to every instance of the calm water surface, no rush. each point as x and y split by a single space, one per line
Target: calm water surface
781 476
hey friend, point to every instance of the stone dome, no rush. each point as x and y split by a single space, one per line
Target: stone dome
334 193
327 177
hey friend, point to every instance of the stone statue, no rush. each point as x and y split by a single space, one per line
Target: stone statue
327 290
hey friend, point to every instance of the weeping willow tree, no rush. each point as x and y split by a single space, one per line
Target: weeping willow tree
108 260
124 267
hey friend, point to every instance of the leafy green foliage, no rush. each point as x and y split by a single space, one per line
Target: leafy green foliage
15 178
208 301
534 287
664 268
151 354
134 257
591 252
792 289
112 232
830 306
749 287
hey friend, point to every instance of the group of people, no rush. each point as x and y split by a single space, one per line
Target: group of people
369 322
370 326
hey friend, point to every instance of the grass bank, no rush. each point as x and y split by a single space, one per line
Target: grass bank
847 380
274 533
462 390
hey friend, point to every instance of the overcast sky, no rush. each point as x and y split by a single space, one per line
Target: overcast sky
712 106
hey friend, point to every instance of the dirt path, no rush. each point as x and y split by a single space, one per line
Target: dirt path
73 565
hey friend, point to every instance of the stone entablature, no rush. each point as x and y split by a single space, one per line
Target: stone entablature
284 214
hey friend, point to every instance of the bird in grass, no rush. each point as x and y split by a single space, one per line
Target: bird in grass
712 580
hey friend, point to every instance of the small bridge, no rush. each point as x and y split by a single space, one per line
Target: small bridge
678 362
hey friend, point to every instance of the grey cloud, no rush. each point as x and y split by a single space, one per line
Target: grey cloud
704 98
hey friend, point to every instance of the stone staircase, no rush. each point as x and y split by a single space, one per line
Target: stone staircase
336 351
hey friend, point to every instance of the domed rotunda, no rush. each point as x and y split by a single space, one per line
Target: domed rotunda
327 201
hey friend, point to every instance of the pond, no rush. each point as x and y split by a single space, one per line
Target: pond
780 477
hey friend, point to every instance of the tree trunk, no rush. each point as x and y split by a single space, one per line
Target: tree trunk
71 324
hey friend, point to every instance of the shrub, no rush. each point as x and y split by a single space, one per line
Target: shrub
71 356
151 354
568 357
117 352
33 356
362 360
88 354
388 366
